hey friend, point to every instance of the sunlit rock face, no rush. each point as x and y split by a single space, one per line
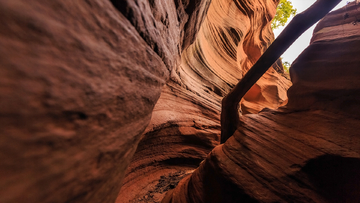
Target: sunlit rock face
232 38
78 83
307 151
185 123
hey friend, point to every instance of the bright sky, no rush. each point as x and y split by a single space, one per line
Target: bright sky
303 41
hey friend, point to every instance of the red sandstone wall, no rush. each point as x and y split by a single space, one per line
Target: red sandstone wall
78 83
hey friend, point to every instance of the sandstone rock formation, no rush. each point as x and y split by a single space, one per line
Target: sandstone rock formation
185 124
307 151
78 83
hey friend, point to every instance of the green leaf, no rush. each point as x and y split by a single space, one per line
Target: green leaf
284 11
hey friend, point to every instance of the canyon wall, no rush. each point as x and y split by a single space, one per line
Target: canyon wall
90 87
78 84
185 124
306 151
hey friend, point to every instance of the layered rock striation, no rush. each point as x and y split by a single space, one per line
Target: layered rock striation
185 124
78 84
307 151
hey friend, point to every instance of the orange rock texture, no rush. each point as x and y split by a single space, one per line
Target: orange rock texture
307 151
119 100
78 84
185 123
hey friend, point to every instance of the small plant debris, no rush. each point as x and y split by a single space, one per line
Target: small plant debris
166 183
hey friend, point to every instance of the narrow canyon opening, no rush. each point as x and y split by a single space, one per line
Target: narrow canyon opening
121 101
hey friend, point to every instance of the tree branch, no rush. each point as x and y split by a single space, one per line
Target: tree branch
299 24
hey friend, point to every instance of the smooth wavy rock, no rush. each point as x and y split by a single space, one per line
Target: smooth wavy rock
232 38
307 151
78 83
185 123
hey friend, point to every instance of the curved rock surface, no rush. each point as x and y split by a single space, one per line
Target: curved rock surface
307 151
185 123
78 83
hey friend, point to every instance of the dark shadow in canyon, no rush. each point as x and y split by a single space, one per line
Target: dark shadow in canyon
336 178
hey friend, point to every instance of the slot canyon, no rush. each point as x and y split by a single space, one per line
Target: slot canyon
119 101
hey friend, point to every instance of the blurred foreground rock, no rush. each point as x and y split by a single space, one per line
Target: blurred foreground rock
78 83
